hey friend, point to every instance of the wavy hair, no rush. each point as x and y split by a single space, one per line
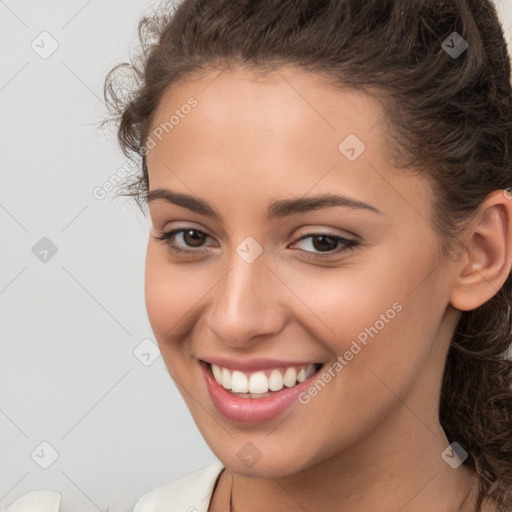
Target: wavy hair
449 116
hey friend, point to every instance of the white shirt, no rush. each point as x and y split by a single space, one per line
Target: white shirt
189 493
42 501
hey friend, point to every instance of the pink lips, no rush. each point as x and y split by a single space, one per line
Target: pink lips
251 410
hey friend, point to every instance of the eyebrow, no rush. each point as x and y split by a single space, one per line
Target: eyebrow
277 209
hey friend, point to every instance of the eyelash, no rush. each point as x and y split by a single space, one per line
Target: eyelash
348 244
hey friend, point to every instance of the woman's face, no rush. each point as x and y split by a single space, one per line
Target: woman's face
357 284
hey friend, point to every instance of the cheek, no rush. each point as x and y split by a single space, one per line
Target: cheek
170 295
344 302
379 314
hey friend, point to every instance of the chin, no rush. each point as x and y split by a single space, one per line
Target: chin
278 467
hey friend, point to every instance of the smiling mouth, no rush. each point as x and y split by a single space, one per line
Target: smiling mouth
263 383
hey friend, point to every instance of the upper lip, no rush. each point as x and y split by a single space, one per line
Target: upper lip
253 365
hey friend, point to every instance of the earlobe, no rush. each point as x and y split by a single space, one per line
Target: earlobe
488 258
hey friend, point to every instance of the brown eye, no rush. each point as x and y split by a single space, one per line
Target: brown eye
193 237
190 239
325 245
324 242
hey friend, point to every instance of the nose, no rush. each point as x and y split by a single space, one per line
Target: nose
246 304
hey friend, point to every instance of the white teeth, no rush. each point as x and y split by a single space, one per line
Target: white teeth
301 376
258 382
226 378
239 382
290 377
275 380
217 372
310 370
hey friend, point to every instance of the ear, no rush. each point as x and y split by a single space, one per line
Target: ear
487 262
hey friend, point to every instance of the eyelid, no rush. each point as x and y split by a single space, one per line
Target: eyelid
341 233
176 225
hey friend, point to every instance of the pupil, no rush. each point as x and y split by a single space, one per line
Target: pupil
322 245
198 237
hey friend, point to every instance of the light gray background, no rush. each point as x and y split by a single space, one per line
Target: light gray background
70 325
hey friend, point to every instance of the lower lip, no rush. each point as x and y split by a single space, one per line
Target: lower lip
252 410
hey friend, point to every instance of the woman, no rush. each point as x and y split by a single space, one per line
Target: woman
328 267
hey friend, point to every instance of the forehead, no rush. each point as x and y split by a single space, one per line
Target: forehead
287 114
251 135
284 94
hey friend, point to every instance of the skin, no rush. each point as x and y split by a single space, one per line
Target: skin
254 139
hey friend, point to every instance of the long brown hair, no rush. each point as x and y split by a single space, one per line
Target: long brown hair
447 114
